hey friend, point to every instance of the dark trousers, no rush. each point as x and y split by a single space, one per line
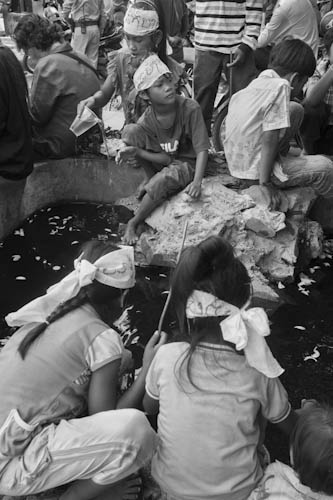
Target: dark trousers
317 134
208 67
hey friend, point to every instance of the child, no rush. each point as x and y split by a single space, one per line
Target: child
317 127
59 422
213 390
170 141
261 121
143 36
311 446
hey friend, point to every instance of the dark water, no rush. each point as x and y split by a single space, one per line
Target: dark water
42 251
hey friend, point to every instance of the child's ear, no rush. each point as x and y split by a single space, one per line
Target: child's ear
144 95
157 38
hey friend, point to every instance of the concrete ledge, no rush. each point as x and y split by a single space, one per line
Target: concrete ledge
60 181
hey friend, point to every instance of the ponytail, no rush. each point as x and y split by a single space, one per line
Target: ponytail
212 268
58 313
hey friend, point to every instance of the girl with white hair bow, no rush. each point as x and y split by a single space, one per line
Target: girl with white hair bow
213 389
60 421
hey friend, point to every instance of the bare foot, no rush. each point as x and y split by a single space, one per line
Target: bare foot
130 237
128 489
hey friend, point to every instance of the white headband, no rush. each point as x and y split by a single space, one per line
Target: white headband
244 328
114 269
138 22
149 72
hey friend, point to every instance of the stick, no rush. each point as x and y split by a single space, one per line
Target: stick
167 302
230 76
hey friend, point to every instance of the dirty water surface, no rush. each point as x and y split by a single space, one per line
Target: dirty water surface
42 250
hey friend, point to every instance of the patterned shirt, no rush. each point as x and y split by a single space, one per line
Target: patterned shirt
222 26
262 106
322 68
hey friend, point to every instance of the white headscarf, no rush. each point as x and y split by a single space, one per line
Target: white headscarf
139 22
149 72
244 328
114 269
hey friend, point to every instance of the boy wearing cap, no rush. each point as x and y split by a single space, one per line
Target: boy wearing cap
169 141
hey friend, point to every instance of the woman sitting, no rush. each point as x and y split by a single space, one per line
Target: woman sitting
62 78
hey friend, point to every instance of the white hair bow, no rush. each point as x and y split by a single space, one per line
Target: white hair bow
246 329
114 269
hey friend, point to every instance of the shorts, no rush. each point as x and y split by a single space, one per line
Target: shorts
170 180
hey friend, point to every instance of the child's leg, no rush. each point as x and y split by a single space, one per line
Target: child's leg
93 453
296 118
147 206
164 184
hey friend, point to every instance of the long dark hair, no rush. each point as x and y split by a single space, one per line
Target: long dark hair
312 447
292 56
96 294
210 267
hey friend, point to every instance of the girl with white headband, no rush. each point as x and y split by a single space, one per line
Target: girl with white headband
144 36
60 421
214 389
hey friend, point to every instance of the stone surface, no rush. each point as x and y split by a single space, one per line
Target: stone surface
72 179
266 242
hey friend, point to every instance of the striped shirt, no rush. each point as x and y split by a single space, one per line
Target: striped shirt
222 25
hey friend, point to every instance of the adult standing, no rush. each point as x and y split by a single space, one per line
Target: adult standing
292 19
224 30
89 18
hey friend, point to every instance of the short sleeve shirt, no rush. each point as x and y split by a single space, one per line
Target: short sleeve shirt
185 139
209 434
262 106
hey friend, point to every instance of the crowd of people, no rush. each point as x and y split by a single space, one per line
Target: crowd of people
213 383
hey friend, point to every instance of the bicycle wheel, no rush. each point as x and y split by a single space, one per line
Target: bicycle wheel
218 119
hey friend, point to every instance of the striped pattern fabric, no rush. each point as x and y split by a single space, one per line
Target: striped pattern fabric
222 25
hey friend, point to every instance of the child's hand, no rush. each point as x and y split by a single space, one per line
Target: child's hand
89 103
194 189
152 347
128 155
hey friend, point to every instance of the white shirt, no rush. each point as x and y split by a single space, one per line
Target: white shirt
292 18
263 105
208 437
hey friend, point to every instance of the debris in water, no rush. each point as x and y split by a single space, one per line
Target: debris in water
37 257
313 356
19 232
298 327
16 257
327 264
56 268
280 285
20 278
74 242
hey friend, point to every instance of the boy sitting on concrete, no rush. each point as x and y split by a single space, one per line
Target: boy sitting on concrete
261 121
170 141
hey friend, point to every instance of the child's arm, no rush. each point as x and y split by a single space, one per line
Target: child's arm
269 152
130 155
150 405
317 92
288 423
194 188
100 98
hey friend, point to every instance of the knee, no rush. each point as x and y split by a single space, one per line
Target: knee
296 111
130 134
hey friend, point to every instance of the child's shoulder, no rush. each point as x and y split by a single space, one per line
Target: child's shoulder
170 351
188 105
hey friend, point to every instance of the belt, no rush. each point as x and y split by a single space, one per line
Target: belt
78 24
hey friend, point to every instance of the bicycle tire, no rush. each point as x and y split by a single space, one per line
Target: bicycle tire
219 117
25 64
